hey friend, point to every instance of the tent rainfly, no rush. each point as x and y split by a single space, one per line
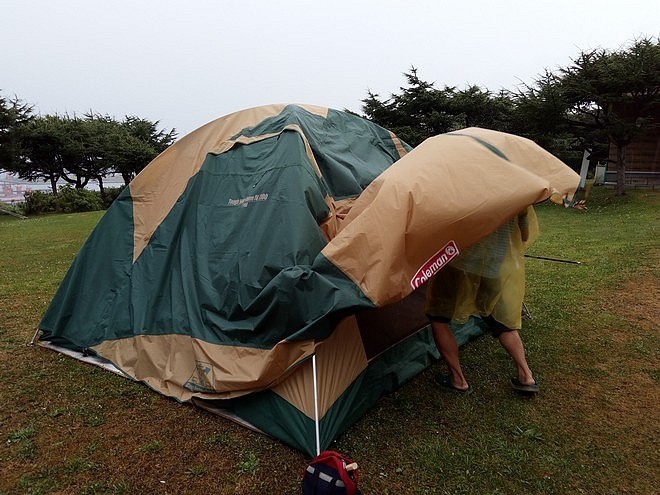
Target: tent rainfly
270 265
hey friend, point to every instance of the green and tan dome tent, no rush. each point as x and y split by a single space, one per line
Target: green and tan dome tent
270 265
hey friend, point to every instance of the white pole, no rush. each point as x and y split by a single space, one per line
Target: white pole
34 337
316 406
584 169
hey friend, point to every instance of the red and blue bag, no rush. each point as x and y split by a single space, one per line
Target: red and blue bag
330 473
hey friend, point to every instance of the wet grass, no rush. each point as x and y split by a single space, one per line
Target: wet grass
593 341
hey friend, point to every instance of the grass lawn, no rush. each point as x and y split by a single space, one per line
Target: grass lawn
593 341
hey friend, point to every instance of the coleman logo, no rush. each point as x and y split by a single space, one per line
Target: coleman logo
434 264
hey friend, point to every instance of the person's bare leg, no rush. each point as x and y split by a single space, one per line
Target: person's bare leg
448 347
513 345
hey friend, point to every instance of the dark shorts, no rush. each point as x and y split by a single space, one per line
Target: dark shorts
494 327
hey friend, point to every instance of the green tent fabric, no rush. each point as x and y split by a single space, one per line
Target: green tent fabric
235 250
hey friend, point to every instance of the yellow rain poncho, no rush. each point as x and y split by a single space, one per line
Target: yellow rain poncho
488 278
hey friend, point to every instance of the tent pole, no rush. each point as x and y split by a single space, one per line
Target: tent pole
316 405
553 259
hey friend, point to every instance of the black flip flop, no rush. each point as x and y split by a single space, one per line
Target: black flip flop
532 388
444 380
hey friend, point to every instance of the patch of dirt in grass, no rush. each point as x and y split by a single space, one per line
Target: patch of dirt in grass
639 302
609 393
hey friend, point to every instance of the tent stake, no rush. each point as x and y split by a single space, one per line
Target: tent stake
34 337
316 406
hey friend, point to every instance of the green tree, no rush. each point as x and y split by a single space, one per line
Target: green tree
57 147
418 112
97 136
478 107
614 96
540 110
539 113
143 142
42 141
125 147
79 149
83 151
421 110
14 113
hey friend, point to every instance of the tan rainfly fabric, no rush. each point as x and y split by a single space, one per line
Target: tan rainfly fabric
338 211
182 367
155 190
229 144
339 360
517 149
450 189
397 144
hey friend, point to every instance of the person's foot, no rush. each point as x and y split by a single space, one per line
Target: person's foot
526 388
444 380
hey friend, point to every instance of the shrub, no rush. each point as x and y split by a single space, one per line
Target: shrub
111 193
37 202
68 200
72 200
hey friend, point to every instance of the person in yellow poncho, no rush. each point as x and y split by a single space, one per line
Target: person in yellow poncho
486 280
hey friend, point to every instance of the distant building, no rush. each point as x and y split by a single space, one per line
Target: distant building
13 189
642 159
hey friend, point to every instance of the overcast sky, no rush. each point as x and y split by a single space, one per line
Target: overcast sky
187 63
